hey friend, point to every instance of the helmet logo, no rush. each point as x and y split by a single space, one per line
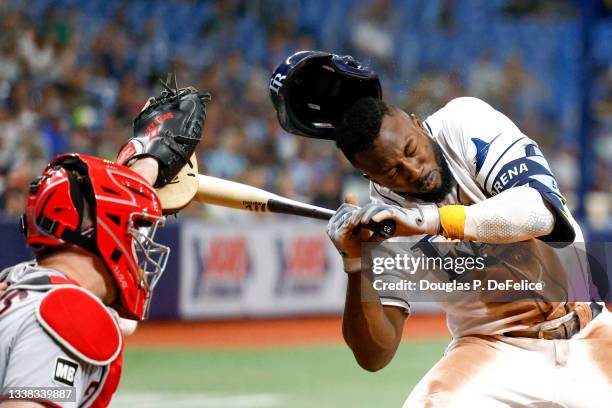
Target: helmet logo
276 82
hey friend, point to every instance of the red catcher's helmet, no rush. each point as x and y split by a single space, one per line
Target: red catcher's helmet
106 209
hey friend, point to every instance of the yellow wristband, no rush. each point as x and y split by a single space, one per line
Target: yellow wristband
452 220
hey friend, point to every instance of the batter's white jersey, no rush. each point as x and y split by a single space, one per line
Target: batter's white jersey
29 356
488 154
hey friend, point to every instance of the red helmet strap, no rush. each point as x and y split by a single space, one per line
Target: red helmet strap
81 191
87 243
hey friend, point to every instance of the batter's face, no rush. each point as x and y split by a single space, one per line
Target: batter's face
405 159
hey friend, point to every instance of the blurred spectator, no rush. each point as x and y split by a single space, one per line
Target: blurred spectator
37 49
432 91
540 8
15 200
374 29
446 17
521 93
9 63
228 160
329 193
485 79
16 191
9 140
602 142
74 80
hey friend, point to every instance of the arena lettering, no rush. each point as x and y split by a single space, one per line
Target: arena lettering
508 175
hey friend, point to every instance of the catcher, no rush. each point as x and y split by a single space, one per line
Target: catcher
465 173
91 224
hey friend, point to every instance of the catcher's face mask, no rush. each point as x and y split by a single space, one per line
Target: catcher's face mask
150 256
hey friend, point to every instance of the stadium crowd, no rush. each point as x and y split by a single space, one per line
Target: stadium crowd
73 79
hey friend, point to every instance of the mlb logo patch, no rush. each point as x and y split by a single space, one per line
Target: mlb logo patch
65 371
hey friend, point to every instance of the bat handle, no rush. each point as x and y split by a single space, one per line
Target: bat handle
385 229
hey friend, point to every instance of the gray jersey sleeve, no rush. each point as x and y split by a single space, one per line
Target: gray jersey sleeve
29 357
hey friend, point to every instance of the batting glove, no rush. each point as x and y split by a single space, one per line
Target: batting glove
341 230
422 219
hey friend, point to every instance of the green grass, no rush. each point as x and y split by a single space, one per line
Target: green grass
323 376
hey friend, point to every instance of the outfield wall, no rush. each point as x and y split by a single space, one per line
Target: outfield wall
245 270
220 271
266 269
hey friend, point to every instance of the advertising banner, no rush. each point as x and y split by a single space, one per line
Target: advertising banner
268 269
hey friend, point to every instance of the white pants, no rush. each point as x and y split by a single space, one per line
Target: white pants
500 371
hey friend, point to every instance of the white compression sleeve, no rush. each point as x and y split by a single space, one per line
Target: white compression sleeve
517 214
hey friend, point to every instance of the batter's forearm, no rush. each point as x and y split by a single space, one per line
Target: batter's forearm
515 215
366 328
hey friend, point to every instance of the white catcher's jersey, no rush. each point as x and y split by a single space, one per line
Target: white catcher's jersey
488 154
29 356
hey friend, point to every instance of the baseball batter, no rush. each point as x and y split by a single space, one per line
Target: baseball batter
91 224
465 173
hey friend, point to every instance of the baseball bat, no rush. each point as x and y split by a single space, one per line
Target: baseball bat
231 194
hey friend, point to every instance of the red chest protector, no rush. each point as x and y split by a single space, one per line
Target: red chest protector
82 324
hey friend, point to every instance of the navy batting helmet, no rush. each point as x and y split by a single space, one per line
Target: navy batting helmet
311 90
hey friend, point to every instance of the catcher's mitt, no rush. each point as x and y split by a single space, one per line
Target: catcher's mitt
168 128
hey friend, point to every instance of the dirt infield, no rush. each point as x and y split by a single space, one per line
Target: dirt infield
245 334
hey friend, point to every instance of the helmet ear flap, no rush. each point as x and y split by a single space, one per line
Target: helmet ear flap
77 197
81 189
82 193
32 189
